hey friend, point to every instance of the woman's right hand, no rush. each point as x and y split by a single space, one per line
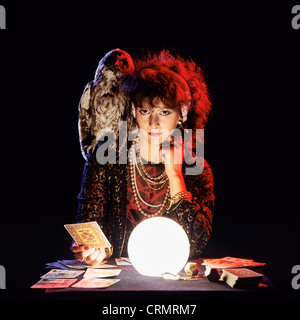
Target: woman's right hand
91 256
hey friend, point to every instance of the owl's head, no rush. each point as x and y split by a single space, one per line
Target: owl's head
117 61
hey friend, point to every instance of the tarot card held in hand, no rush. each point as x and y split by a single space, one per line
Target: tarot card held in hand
88 234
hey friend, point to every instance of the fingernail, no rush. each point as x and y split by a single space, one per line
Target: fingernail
86 248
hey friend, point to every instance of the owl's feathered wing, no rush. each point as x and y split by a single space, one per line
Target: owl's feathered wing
85 119
103 103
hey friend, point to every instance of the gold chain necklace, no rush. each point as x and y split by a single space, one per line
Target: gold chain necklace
152 182
149 182
136 193
146 173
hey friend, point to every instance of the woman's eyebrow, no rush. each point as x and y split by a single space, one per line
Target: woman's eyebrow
164 107
155 107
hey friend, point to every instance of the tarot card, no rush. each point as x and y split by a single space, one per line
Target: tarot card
95 283
55 265
225 262
238 262
122 262
231 262
53 283
101 273
61 274
254 264
74 264
102 266
88 233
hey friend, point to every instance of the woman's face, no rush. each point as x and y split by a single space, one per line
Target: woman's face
156 124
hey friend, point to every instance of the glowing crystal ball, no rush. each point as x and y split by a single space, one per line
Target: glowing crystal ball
158 245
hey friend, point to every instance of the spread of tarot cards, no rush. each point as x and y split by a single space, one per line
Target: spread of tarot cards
88 234
57 278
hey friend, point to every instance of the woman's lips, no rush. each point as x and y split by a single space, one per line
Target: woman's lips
155 134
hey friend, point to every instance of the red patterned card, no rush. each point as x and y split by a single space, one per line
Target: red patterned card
88 234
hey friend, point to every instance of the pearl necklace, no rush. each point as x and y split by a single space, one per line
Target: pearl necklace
152 182
135 190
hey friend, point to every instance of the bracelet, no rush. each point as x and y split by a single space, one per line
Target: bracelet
183 195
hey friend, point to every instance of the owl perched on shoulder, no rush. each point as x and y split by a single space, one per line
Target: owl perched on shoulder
103 102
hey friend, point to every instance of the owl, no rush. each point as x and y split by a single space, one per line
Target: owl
104 103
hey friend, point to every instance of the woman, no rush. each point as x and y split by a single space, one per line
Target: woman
167 93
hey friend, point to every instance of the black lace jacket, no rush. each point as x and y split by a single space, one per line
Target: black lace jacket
103 198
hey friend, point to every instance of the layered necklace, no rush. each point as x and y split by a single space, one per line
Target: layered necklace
155 183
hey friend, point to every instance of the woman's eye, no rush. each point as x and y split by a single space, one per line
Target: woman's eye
165 112
143 111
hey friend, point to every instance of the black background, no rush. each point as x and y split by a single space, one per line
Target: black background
250 55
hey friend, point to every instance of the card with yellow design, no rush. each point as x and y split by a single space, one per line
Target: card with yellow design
88 234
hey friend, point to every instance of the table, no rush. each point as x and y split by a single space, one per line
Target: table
135 285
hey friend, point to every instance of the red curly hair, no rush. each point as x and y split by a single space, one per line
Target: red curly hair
160 75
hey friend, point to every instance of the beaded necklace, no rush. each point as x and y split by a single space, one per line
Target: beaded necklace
162 179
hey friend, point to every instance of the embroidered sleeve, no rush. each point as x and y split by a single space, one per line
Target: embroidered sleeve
196 217
102 198
92 202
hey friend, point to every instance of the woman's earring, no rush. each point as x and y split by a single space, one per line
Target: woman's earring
133 112
179 124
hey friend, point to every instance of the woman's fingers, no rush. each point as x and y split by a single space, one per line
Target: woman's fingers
172 153
92 256
83 254
99 258
76 249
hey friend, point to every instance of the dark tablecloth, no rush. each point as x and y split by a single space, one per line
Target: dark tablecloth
132 281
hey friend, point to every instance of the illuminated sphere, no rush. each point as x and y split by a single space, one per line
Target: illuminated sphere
158 245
